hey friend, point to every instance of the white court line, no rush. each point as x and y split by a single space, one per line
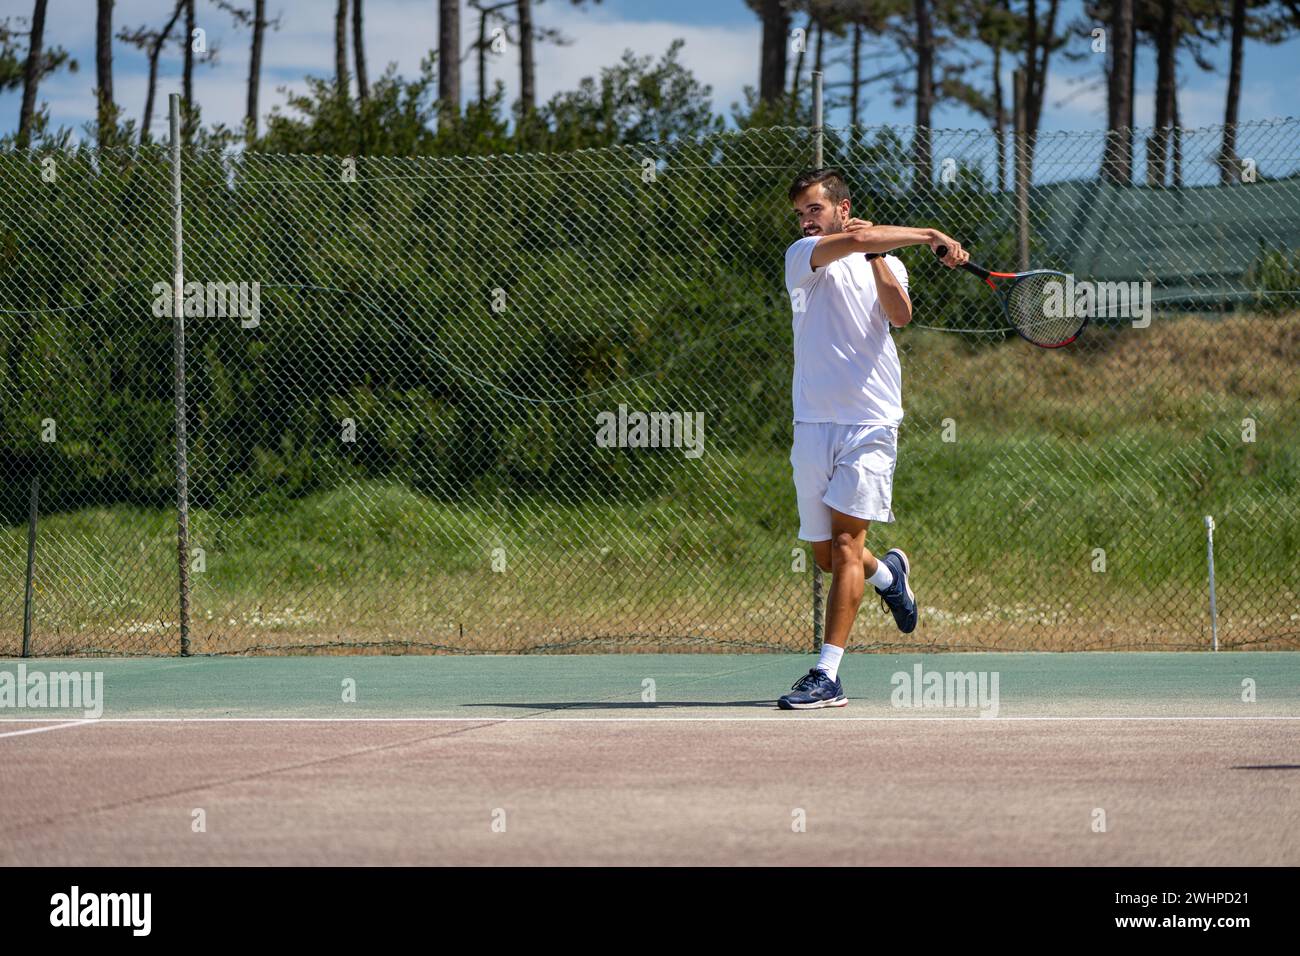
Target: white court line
792 720
41 730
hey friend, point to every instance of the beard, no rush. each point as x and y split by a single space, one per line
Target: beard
836 225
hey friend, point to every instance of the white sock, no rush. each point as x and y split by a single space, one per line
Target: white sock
883 577
830 660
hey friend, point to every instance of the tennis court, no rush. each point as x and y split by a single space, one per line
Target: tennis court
384 458
660 759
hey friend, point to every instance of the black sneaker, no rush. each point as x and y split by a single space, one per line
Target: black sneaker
812 691
898 597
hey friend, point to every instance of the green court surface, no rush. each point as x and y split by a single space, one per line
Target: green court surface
683 686
1120 759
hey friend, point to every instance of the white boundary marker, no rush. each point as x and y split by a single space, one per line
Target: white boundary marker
792 720
40 730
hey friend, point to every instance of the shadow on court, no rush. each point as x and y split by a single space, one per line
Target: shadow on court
769 704
1271 766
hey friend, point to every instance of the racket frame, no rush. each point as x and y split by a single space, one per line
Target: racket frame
988 275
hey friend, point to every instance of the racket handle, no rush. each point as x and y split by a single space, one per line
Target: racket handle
969 266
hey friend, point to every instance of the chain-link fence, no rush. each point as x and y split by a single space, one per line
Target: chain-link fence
542 402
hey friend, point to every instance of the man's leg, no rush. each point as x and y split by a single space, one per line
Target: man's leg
873 572
887 576
848 576
821 687
812 459
822 555
851 566
861 483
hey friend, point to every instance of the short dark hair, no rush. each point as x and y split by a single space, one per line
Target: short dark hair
831 180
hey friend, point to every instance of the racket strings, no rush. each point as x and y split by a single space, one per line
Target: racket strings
1037 306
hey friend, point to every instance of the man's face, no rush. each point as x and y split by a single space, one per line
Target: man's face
817 215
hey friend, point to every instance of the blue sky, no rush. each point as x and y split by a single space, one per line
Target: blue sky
722 45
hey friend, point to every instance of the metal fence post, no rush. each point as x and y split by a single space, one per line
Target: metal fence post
1209 554
1020 149
31 562
178 352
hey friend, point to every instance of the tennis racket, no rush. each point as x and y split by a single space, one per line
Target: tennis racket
1034 303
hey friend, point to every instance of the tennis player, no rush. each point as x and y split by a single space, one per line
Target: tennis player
847 295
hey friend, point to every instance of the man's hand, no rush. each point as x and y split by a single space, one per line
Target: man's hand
957 256
857 228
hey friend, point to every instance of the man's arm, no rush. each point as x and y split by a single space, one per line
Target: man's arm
893 297
866 238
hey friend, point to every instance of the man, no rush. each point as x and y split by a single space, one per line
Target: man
847 294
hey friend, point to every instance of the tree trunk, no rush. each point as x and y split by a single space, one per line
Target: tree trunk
449 60
155 50
1036 75
482 58
1031 58
1132 89
999 119
341 48
359 52
1228 160
1166 46
1117 166
187 76
1177 133
924 91
150 91
255 68
798 60
857 76
106 122
527 69
1040 94
31 75
771 75
818 59
1022 175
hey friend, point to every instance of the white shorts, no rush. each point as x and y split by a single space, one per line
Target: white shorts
849 468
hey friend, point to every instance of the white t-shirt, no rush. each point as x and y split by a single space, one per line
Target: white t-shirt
845 365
